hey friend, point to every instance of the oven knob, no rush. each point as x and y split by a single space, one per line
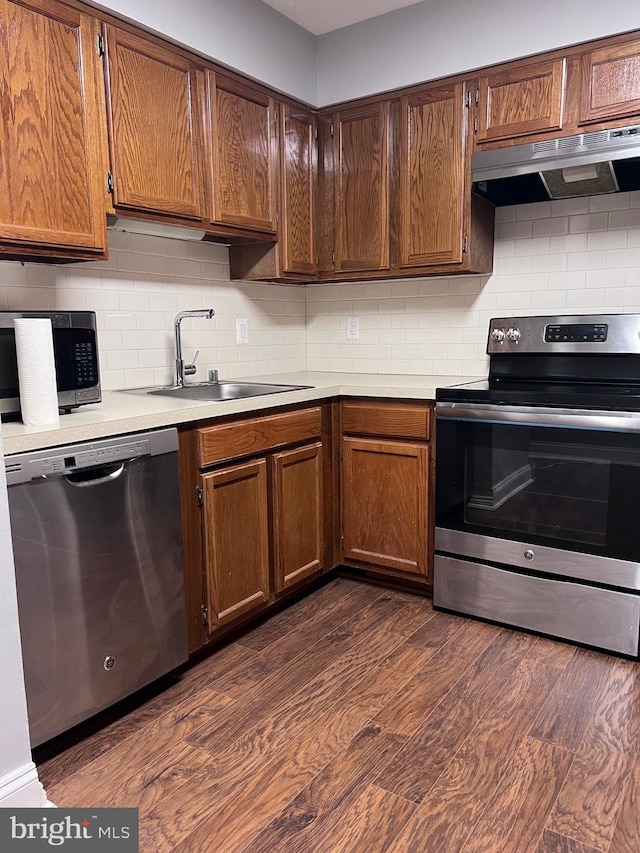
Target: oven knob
529 555
497 335
513 335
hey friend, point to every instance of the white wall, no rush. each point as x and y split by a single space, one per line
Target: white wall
558 257
246 35
441 37
19 785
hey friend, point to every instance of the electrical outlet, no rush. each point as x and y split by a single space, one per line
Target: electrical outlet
353 328
242 330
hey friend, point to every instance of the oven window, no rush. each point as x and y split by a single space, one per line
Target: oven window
569 488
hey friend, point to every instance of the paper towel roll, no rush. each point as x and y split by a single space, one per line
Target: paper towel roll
36 371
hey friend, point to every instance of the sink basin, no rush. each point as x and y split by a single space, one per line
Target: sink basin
220 391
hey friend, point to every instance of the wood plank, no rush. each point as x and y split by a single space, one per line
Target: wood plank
551 842
441 672
627 828
427 752
259 702
473 773
368 822
293 645
299 822
552 652
147 747
592 795
282 623
514 817
436 632
233 811
566 713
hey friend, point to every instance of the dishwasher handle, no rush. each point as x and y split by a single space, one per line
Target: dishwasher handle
95 476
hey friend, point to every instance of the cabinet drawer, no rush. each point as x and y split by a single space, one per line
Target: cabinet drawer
241 438
397 420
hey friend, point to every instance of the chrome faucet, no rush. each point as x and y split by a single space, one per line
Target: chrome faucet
183 369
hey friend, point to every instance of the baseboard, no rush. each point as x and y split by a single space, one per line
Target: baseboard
22 789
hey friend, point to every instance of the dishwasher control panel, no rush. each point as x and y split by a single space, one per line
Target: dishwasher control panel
39 465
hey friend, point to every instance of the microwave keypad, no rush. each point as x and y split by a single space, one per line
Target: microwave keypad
85 364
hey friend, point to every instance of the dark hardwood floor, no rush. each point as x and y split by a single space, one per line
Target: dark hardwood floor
361 720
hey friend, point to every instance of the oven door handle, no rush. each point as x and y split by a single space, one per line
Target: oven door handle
540 416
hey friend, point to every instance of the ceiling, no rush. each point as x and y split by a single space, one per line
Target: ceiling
323 16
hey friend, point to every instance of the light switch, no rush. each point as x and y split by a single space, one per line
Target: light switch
242 330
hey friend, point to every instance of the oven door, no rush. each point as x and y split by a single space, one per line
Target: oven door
550 491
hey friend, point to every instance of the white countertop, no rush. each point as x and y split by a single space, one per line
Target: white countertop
124 412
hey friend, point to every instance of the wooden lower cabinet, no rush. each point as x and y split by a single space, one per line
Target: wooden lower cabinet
236 540
385 504
298 516
386 487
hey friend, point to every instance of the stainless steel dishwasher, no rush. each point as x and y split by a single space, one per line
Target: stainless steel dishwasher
98 554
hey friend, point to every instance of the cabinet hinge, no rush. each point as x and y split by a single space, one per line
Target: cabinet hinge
315 133
475 124
331 129
100 45
464 245
467 100
199 497
109 182
205 616
342 539
333 257
342 451
477 96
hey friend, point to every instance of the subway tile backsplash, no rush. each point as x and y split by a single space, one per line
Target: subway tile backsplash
136 295
567 256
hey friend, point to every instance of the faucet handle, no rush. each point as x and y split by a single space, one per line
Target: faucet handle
190 369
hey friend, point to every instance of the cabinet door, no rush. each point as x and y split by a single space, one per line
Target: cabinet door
51 140
236 540
611 82
298 517
385 504
524 100
298 170
361 188
242 154
433 197
154 127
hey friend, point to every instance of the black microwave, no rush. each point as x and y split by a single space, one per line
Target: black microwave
75 348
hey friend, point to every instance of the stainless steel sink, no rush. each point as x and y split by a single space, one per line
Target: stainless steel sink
220 391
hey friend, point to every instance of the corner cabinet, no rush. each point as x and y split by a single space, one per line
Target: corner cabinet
293 257
387 488
155 131
256 503
53 137
242 154
361 187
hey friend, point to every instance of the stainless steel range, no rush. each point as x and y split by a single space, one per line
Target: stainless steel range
538 482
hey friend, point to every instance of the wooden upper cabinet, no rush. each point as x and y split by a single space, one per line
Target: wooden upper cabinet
243 146
611 82
361 176
433 177
52 166
523 100
298 170
154 127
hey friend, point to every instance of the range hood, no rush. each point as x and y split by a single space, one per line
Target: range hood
151 228
602 161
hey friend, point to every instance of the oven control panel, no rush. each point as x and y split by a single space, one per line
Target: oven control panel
587 333
576 333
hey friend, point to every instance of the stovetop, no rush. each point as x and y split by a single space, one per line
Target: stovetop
576 395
